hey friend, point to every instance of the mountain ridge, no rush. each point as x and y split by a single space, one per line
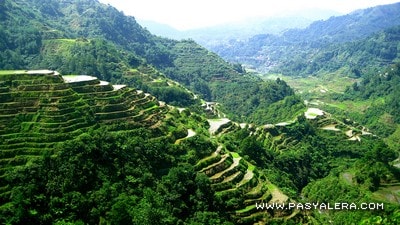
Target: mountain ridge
108 46
209 36
80 150
265 52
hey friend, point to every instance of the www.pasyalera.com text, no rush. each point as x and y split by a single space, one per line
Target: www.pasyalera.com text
320 206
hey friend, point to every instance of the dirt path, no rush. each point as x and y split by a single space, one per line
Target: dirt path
118 86
181 109
219 148
191 133
248 176
77 78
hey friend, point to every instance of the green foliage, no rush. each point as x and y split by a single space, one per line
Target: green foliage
173 95
81 56
335 190
332 189
381 153
250 147
257 102
110 177
383 116
282 110
390 218
151 209
130 173
356 42
111 45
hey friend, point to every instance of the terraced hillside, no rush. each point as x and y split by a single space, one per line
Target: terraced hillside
238 183
246 166
39 109
243 184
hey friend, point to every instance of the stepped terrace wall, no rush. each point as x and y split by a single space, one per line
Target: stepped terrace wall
39 109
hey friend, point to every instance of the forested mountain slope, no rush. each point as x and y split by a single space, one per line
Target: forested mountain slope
67 141
382 90
75 149
358 24
86 37
305 50
352 58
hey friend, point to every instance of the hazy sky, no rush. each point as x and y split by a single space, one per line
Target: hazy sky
186 14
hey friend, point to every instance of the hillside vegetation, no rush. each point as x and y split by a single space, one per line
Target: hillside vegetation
344 64
63 138
382 90
71 37
349 59
356 41
79 150
129 128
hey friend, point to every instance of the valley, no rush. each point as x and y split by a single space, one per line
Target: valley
102 122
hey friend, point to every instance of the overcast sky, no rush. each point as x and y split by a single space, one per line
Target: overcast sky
187 14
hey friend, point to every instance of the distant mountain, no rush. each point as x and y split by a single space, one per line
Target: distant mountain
358 24
265 51
160 29
214 35
353 58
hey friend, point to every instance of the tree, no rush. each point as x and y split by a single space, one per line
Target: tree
381 152
152 209
254 149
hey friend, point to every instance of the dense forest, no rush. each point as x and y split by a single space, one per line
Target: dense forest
126 127
135 177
